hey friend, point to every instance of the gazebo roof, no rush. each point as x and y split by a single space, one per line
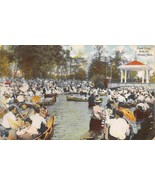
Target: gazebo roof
135 65
135 62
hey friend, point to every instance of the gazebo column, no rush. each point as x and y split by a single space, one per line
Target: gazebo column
121 76
147 76
143 76
125 76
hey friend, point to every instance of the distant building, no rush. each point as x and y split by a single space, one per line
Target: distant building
135 66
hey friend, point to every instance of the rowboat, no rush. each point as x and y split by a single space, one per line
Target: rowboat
128 105
49 101
72 98
49 132
50 95
46 135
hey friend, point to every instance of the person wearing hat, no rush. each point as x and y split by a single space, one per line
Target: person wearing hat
121 99
6 100
91 100
97 116
141 112
111 107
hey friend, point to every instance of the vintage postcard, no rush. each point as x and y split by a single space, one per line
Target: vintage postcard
77 92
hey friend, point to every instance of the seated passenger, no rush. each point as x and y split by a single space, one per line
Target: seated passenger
43 112
9 121
118 128
36 126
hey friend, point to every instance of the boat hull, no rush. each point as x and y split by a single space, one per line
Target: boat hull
69 98
49 132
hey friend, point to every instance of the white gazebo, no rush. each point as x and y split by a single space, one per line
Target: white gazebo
135 66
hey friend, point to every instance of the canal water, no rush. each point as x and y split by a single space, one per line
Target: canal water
72 118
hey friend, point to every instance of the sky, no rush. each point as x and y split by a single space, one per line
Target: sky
144 53
130 50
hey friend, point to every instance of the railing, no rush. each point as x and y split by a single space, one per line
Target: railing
118 84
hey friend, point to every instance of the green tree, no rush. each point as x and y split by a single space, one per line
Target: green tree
99 65
133 74
5 62
38 60
115 63
81 74
98 81
97 68
152 78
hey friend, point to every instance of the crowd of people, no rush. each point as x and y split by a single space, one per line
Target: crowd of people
127 111
23 122
24 117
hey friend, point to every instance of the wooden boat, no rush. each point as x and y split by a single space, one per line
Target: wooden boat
49 132
128 105
50 95
49 101
72 98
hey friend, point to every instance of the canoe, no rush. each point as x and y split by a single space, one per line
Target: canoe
50 95
50 101
70 98
47 101
128 105
49 132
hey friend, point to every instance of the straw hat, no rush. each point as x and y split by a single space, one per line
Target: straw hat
98 100
20 98
7 95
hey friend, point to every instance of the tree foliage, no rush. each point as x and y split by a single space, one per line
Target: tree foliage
81 74
99 65
5 61
115 62
133 74
38 60
152 78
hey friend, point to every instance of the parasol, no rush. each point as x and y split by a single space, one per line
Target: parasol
36 99
7 83
128 114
